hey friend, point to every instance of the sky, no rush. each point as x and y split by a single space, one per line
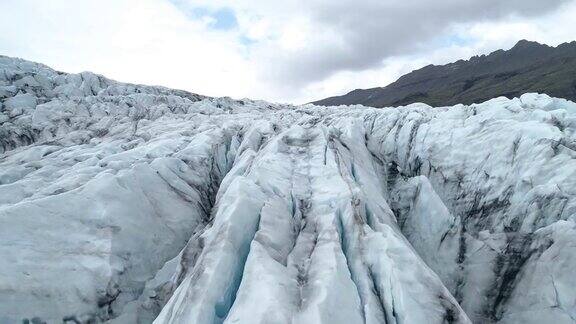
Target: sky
282 51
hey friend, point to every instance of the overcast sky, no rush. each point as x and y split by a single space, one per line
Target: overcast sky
278 50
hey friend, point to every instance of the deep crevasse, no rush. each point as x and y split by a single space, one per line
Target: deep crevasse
119 202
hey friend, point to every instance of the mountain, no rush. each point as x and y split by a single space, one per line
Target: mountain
527 67
123 203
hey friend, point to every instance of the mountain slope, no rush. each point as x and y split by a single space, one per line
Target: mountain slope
527 67
133 204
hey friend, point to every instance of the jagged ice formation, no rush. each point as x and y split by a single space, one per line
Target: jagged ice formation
124 203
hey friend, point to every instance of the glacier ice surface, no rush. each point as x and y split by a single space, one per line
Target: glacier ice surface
125 203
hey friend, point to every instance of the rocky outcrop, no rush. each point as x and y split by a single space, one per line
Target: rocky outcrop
525 68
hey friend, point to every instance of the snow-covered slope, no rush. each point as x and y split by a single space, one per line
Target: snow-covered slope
134 204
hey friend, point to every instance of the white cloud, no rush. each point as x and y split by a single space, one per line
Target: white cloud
284 50
145 41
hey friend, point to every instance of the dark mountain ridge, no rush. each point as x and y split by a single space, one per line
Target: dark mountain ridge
526 67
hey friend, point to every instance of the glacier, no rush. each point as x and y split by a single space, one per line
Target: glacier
125 203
